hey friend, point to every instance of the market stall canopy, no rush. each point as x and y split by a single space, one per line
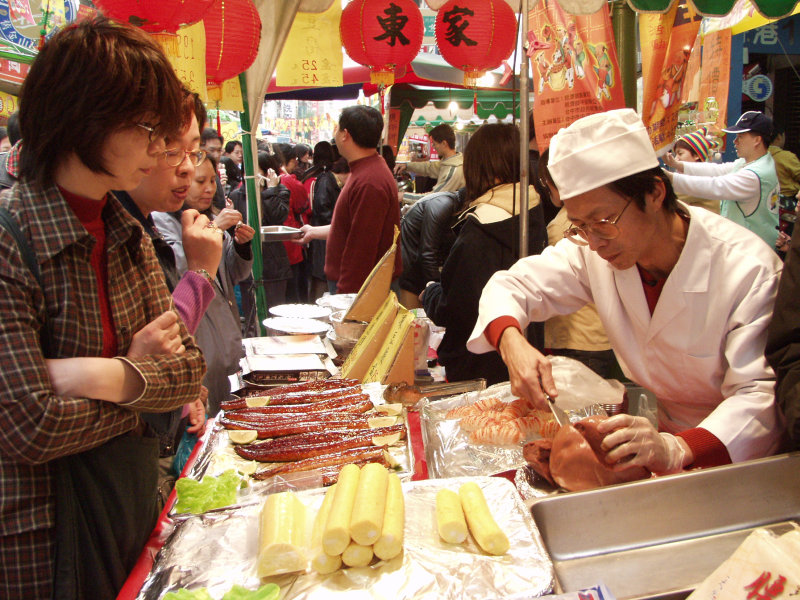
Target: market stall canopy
425 69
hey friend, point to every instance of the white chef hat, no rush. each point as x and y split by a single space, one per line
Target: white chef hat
599 149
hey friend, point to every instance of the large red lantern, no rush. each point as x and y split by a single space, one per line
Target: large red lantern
475 35
382 35
233 33
155 15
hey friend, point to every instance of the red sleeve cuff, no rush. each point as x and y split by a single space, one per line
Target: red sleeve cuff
497 327
708 450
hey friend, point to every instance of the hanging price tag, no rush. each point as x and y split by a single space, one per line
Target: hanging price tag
312 55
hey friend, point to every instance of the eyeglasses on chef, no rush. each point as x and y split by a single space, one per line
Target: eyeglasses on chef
604 229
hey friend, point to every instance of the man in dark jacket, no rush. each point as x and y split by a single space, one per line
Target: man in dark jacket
426 236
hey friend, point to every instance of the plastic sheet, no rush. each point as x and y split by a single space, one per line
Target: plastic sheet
218 549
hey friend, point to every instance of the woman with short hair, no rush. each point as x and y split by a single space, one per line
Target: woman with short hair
87 339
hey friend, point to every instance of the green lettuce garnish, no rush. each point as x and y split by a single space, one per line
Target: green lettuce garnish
269 591
213 492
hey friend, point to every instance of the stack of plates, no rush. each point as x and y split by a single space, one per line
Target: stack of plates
301 311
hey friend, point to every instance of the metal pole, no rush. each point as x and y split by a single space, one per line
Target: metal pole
524 164
623 22
253 198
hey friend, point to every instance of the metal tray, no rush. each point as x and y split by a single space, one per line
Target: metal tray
661 537
279 233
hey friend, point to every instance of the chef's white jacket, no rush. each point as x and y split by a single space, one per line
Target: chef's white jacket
702 350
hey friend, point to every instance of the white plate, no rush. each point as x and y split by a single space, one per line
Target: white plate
337 301
296 326
300 311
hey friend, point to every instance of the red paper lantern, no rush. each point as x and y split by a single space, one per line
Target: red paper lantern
381 34
233 32
475 35
155 15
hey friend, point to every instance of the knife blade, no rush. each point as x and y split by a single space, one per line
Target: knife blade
558 414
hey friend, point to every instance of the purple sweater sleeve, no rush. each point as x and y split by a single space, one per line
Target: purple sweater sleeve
192 296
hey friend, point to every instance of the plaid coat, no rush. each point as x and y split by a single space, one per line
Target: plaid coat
36 426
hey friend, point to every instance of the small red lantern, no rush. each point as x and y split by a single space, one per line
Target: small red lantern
382 35
233 33
155 15
475 35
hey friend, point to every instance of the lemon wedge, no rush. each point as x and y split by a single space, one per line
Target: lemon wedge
393 463
242 436
255 401
247 468
394 408
386 440
375 422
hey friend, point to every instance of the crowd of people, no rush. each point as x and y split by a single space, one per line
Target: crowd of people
126 247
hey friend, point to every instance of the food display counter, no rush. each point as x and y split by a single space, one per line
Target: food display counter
655 538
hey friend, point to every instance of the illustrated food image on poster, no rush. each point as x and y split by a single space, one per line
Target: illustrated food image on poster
574 66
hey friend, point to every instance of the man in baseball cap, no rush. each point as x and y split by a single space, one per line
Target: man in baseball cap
684 295
748 187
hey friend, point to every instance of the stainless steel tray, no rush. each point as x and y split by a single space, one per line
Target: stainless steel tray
279 233
661 537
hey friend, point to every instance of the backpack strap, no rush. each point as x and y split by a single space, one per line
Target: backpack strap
9 223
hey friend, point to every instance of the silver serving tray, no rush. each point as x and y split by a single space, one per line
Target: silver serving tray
661 537
279 233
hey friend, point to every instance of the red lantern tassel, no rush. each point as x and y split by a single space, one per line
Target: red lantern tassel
380 93
219 123
475 103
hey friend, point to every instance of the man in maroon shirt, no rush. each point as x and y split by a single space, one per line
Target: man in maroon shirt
367 210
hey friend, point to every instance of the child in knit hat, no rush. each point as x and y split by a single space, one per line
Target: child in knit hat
696 147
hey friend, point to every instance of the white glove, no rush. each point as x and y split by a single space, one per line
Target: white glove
634 441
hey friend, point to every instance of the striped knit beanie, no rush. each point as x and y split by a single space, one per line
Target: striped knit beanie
700 142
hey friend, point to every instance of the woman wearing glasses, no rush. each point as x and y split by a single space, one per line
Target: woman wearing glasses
219 333
684 295
92 343
487 241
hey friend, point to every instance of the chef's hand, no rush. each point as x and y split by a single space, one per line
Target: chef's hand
526 368
633 441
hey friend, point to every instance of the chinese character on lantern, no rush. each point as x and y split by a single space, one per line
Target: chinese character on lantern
456 24
393 26
770 590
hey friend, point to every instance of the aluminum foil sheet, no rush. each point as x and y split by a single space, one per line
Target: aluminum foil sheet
219 549
448 451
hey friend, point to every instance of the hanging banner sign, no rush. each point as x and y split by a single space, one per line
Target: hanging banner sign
715 78
228 96
8 104
186 51
666 41
312 55
574 64
21 21
393 130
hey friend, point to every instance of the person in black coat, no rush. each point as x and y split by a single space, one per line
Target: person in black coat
323 182
487 241
426 236
276 272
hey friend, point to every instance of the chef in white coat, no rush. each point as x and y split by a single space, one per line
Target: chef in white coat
684 294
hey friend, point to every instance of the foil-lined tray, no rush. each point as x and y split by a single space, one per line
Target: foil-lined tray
217 455
448 451
219 549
